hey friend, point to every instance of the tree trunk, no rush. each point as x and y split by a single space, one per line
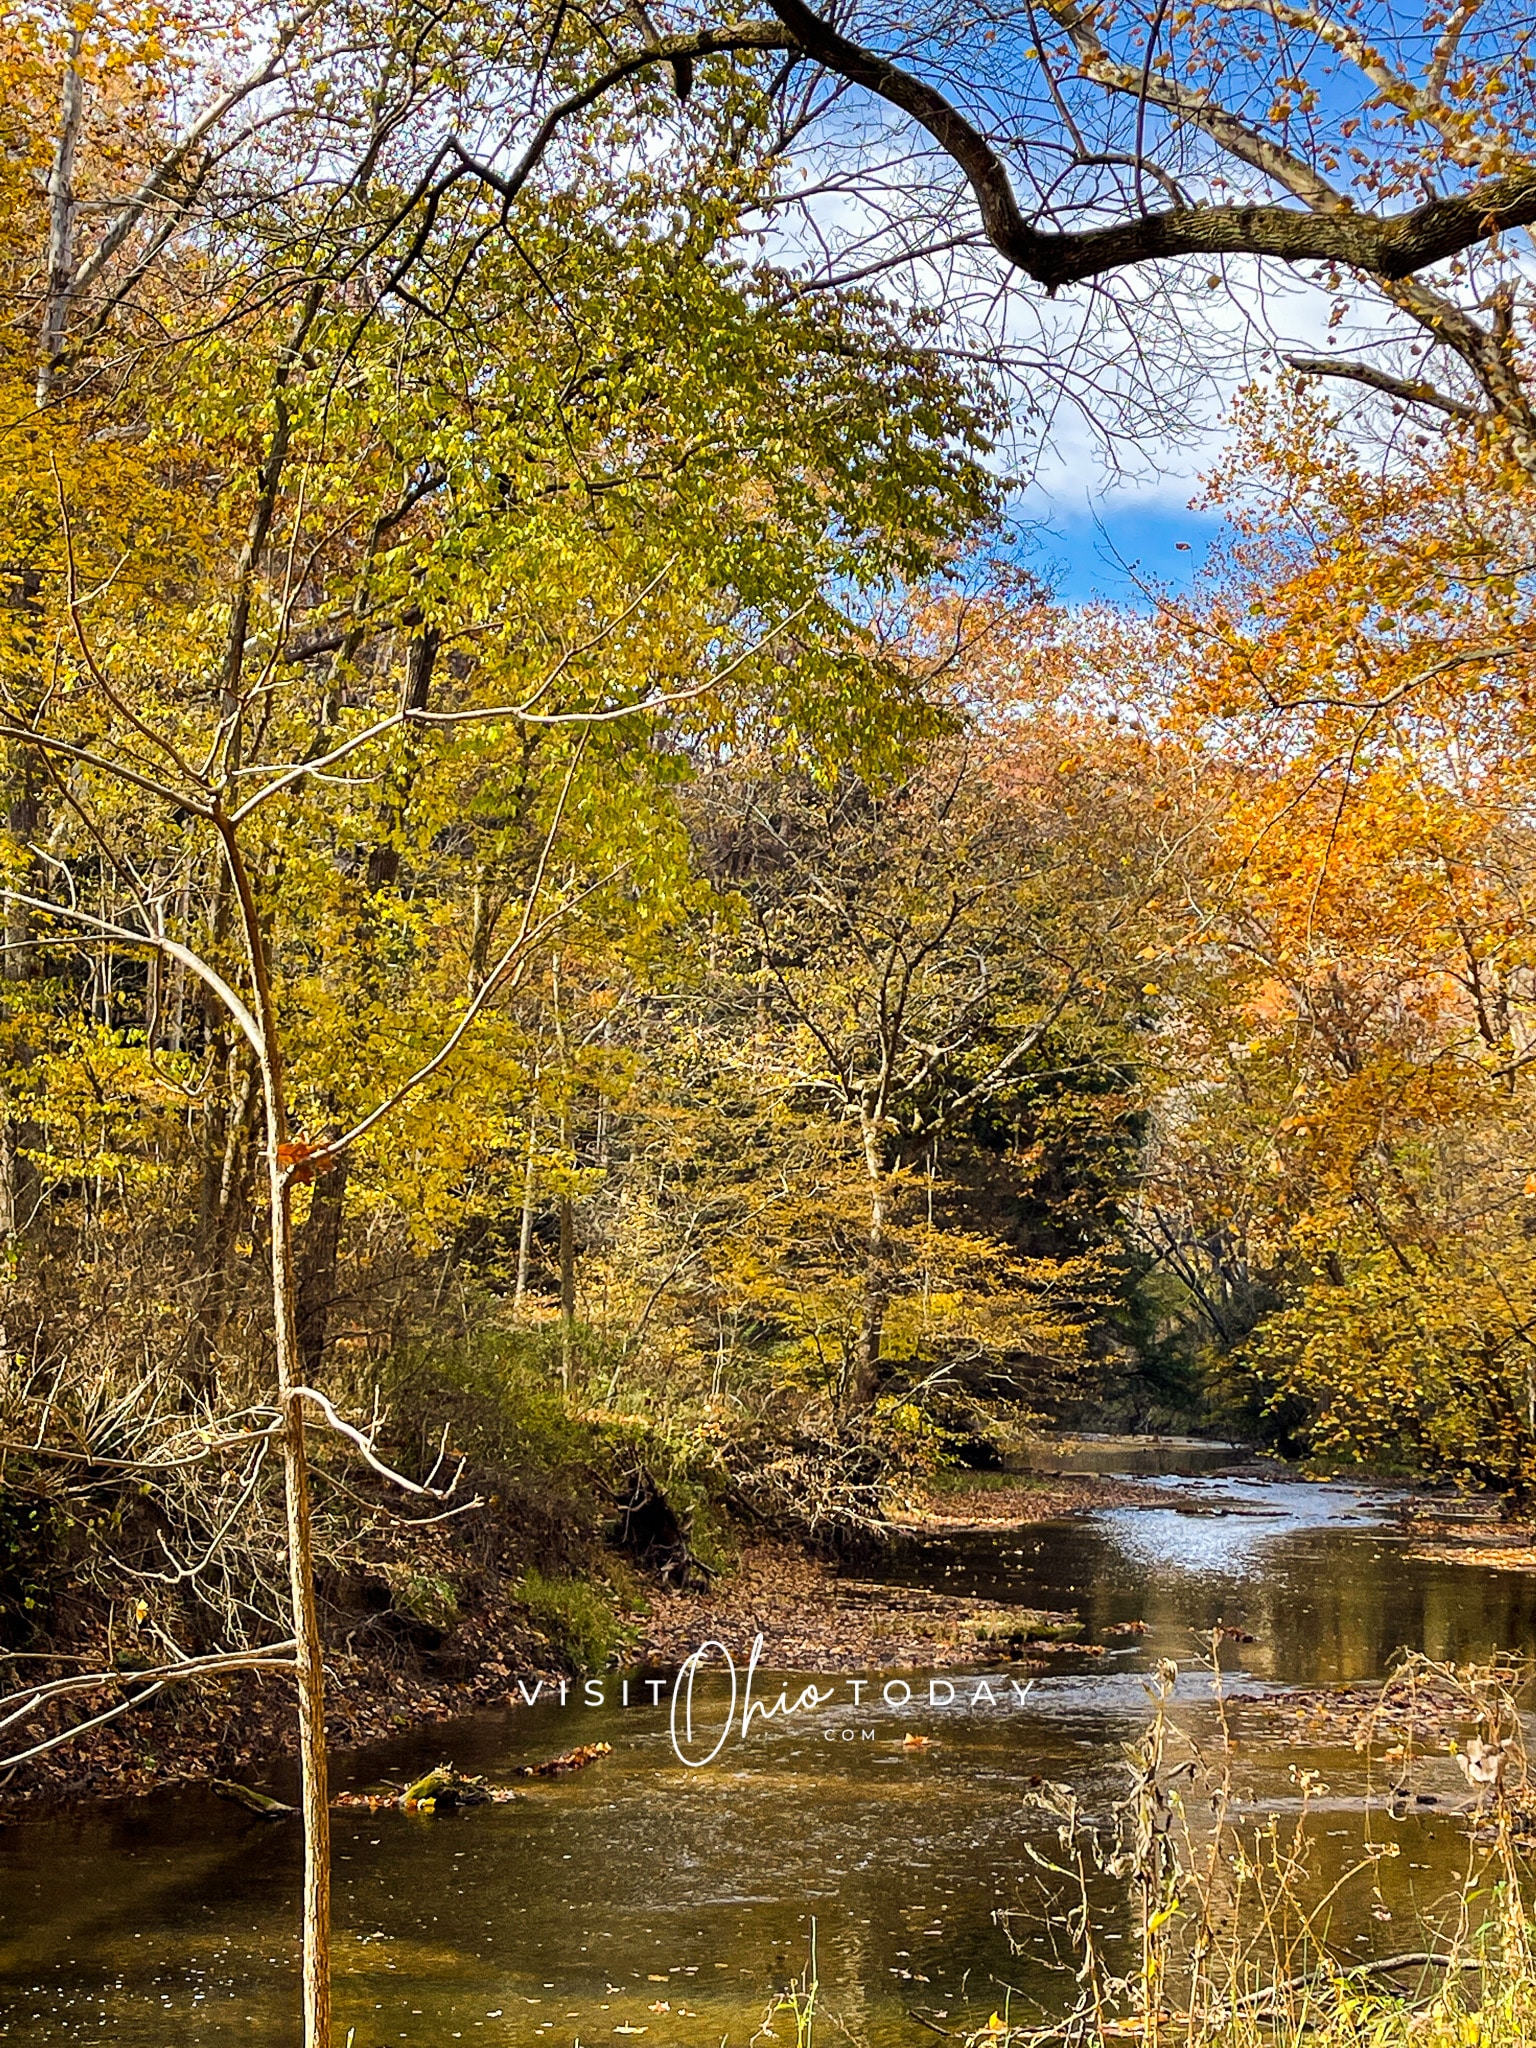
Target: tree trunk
314 1776
19 1190
310 1655
227 1140
18 1178
61 223
567 1288
864 1381
383 868
316 1253
525 1231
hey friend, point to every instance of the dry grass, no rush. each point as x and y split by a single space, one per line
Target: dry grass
1233 1921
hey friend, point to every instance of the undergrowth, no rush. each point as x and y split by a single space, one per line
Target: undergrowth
580 1623
1236 1940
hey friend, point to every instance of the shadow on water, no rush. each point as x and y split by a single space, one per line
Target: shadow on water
1137 1457
642 1901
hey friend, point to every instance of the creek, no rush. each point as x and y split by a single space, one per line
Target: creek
639 1901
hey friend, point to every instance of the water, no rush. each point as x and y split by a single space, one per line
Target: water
636 1884
1318 1575
1136 1456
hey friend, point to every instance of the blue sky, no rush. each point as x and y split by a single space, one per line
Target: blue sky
1104 548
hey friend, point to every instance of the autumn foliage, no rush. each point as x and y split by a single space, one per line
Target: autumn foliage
713 932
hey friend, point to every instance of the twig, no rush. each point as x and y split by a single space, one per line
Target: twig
162 1676
1422 1959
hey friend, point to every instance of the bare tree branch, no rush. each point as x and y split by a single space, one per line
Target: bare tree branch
1411 390
1384 246
153 1680
157 942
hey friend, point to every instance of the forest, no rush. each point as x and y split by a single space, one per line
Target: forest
593 956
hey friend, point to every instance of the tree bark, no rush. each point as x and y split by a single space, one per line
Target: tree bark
226 1142
18 1182
567 1288
318 1245
313 1766
19 1135
383 868
310 1656
525 1230
865 1380
61 223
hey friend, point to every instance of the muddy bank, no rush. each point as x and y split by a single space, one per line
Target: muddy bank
1012 1500
1479 1539
230 1727
810 1618
1516 1555
810 1614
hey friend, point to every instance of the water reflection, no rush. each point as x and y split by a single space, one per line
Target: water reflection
639 1902
1318 1575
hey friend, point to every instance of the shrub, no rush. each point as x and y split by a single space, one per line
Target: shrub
573 1614
508 1416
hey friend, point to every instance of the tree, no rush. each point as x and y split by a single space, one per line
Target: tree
925 980
1355 1005
349 668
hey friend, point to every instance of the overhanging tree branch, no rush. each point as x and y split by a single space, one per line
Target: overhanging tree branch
124 935
1384 246
1410 390
276 1657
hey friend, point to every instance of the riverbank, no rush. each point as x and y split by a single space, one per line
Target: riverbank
230 1727
806 1609
1010 1500
1492 1545
812 1618
811 1613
